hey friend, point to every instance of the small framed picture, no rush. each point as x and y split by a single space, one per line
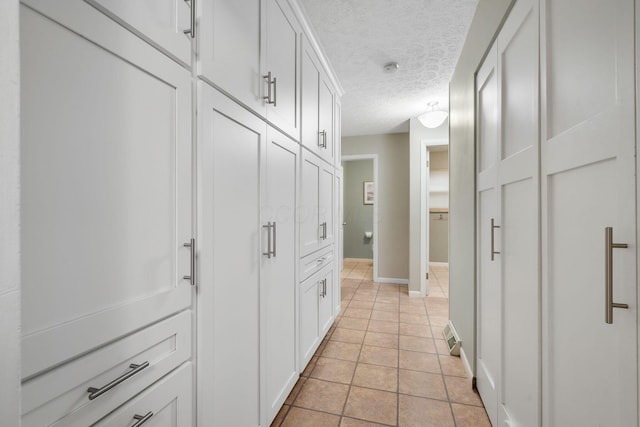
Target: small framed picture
367 191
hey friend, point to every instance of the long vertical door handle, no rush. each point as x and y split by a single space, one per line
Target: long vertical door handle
268 253
273 227
192 277
608 280
192 31
493 227
275 92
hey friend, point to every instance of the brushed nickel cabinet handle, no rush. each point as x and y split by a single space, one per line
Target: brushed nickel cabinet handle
192 31
493 227
273 226
322 139
608 280
141 419
192 262
135 369
271 83
275 92
268 253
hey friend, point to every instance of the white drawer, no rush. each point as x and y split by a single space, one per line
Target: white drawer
167 403
315 261
63 392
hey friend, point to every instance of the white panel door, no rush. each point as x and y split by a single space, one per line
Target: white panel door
326 211
282 61
518 177
161 23
325 301
309 98
590 375
488 280
105 184
309 337
230 44
278 290
325 122
231 142
310 229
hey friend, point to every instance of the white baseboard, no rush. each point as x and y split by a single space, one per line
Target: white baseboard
415 294
465 362
392 280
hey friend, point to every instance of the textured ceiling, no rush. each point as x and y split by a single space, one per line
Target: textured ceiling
359 36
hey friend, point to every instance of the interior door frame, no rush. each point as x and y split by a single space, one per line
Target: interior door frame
423 255
376 204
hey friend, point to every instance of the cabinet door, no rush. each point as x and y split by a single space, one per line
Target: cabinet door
326 214
230 43
278 289
309 337
589 137
310 229
282 59
326 121
105 185
337 133
325 301
231 141
311 137
161 23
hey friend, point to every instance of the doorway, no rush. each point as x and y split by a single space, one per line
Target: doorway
359 220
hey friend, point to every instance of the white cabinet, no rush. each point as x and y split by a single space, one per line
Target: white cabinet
248 191
316 311
105 184
317 107
317 204
251 51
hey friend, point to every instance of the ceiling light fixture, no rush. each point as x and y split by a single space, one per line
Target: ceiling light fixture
434 117
391 67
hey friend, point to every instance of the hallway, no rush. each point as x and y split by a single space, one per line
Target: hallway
384 362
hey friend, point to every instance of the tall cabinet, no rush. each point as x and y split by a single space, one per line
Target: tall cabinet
146 243
557 332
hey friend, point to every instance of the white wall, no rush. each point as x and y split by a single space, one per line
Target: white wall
9 215
418 133
487 19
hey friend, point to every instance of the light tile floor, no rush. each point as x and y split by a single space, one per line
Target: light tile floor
384 362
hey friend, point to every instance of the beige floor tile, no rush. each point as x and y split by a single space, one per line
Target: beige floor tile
299 417
460 391
372 405
364 296
470 416
441 346
379 356
353 323
421 412
438 321
360 313
420 319
413 309
391 316
452 365
322 396
422 384
348 335
415 330
380 339
368 305
424 345
386 299
342 350
340 371
389 287
351 422
386 307
378 377
416 361
383 326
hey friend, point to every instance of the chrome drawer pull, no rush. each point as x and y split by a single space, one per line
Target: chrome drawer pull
142 418
192 276
493 228
97 392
